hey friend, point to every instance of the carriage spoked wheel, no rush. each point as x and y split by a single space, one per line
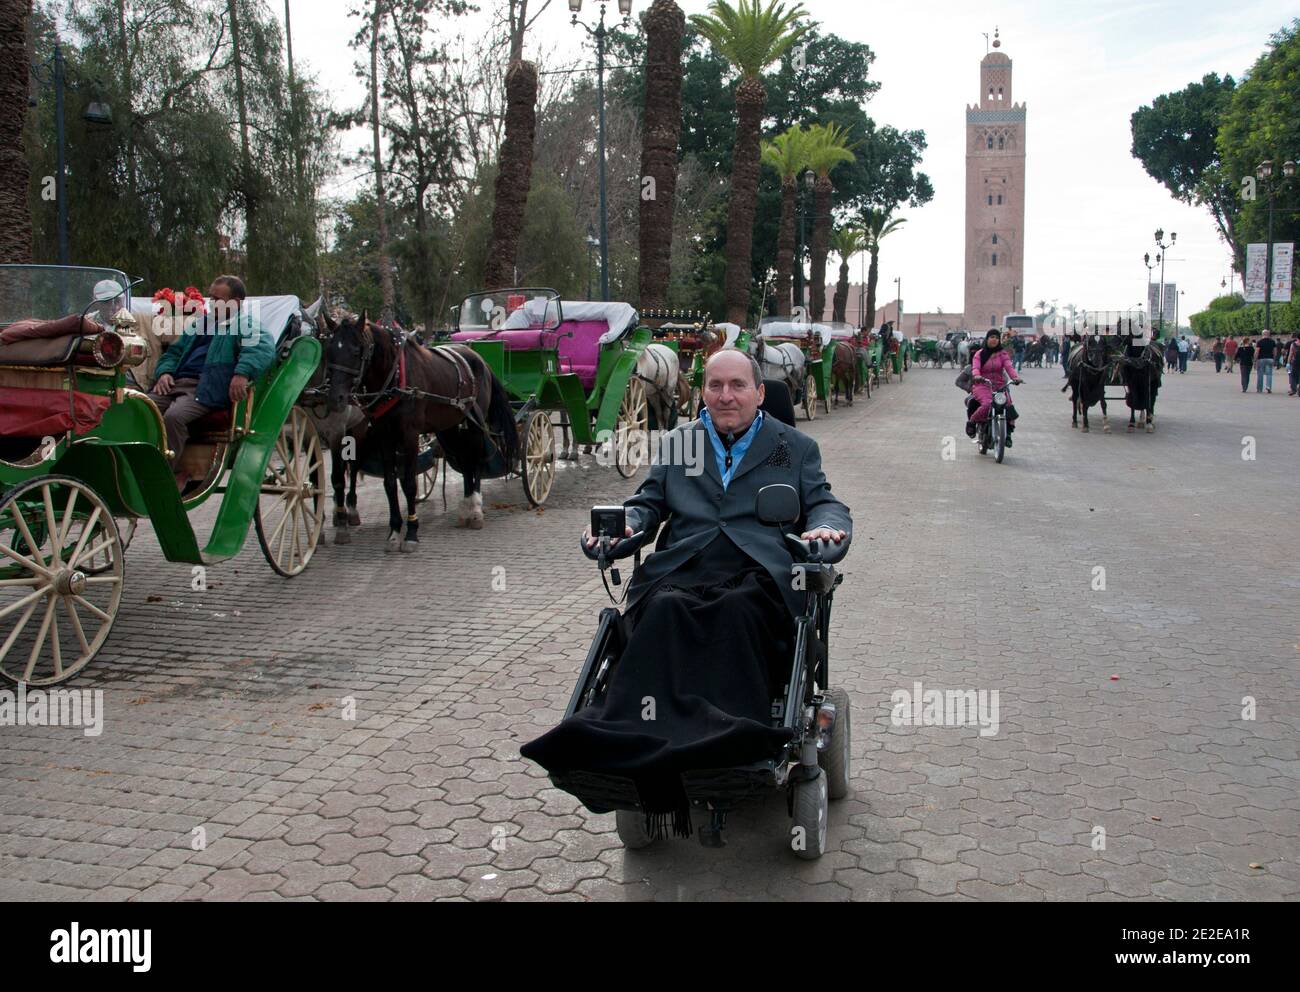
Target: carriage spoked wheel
54 614
291 509
101 564
539 458
810 397
632 433
428 481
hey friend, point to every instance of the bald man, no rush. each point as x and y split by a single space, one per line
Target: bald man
710 626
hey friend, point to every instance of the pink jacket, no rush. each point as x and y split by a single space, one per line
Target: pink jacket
999 369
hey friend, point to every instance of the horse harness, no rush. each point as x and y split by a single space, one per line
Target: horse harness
379 404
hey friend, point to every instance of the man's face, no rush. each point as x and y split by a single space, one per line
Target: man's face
226 306
730 394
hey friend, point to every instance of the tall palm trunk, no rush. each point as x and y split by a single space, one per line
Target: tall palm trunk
750 101
842 293
665 25
514 174
820 245
15 65
873 276
785 248
388 292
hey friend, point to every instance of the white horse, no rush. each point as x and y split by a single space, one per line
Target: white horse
660 370
783 361
964 351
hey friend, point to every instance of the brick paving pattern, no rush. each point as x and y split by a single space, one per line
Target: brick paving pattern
225 708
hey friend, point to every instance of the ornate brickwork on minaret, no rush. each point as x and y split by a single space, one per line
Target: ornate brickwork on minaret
995 197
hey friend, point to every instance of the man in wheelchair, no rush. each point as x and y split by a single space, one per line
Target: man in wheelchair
710 627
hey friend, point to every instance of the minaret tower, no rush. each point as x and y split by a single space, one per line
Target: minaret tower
995 197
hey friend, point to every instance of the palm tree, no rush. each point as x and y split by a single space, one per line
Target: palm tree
15 65
787 154
751 38
876 226
827 148
665 25
847 242
515 162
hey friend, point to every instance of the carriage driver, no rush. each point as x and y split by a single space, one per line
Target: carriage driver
210 368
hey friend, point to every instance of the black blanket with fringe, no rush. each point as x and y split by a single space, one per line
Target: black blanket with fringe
693 690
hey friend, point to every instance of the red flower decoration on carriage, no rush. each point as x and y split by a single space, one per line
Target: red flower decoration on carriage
189 303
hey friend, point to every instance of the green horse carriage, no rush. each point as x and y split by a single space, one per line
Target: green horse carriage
571 365
83 456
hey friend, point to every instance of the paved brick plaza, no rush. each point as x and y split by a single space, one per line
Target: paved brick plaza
223 708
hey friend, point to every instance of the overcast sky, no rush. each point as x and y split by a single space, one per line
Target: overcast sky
1082 67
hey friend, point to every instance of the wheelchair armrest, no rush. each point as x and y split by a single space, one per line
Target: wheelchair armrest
831 553
626 548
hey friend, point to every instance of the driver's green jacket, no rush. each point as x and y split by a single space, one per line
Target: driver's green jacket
242 348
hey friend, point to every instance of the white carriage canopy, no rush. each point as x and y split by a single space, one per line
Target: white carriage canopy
274 313
620 318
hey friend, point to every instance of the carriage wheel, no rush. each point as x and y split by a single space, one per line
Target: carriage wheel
538 468
102 564
427 483
632 432
810 397
291 511
44 579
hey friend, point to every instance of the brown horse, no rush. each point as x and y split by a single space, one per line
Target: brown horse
844 371
407 390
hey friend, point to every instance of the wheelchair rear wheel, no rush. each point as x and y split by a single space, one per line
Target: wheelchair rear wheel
631 830
835 759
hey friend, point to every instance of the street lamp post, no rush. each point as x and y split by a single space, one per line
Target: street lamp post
592 244
97 112
599 32
899 314
1151 266
1265 173
1164 252
801 206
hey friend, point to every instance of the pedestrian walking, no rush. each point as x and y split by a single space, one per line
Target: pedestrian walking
1230 353
1246 359
1293 363
1184 349
1265 359
1217 351
1171 355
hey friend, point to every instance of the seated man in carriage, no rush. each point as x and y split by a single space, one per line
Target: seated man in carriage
711 619
210 368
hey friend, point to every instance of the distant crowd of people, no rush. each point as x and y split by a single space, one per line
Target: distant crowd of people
1261 355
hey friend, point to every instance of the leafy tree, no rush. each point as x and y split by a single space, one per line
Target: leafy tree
877 224
787 156
1261 123
827 148
750 38
15 57
1176 140
847 242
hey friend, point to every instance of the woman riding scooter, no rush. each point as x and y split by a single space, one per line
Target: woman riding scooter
992 368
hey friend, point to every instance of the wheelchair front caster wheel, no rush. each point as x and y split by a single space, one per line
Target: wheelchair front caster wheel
811 813
632 831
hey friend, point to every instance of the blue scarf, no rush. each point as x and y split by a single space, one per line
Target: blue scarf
729 461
